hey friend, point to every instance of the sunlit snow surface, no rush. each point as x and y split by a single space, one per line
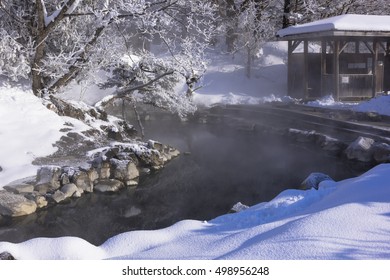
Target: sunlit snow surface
27 130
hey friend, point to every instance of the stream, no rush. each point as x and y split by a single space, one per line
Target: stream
218 167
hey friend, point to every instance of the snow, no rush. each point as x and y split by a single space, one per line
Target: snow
28 130
348 22
226 82
341 220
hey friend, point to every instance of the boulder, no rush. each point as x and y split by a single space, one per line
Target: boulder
69 189
20 188
58 196
15 205
39 199
362 149
48 179
302 136
155 145
109 185
313 180
238 207
124 170
332 145
93 174
382 153
82 181
104 170
5 256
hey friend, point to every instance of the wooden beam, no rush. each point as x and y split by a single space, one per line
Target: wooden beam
343 46
369 47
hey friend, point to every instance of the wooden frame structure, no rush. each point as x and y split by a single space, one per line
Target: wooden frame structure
349 65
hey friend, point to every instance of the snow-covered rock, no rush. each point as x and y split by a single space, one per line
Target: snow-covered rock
48 179
314 180
362 149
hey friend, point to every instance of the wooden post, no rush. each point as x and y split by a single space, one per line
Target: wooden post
289 67
336 70
305 68
374 66
323 67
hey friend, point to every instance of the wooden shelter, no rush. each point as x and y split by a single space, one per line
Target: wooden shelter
346 56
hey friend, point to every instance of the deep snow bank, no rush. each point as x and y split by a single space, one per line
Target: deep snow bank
27 131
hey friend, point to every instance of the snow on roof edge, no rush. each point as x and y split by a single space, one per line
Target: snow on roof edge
348 22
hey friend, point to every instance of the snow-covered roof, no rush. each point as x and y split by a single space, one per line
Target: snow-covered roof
349 22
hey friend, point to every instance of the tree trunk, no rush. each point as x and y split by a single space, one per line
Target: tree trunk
37 83
286 12
231 11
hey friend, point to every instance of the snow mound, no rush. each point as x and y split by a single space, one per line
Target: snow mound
27 131
380 105
329 102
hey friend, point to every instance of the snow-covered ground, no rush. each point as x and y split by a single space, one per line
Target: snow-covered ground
342 220
27 130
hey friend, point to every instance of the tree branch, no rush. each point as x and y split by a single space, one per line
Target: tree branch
125 91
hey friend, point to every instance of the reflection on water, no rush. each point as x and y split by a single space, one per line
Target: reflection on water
216 169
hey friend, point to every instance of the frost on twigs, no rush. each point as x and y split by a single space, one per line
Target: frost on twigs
56 42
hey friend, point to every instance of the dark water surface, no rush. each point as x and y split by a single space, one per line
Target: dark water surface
217 168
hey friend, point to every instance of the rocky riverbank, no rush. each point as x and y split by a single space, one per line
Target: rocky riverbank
98 152
110 169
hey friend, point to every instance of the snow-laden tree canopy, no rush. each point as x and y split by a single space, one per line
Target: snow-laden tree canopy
55 42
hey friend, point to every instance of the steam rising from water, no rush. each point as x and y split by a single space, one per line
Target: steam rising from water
219 166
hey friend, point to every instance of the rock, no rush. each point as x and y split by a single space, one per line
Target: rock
124 170
238 207
78 193
105 170
332 145
382 153
65 179
58 196
82 181
5 256
313 180
302 136
93 174
48 179
69 189
20 188
155 145
15 205
110 185
63 108
40 200
362 149
173 152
